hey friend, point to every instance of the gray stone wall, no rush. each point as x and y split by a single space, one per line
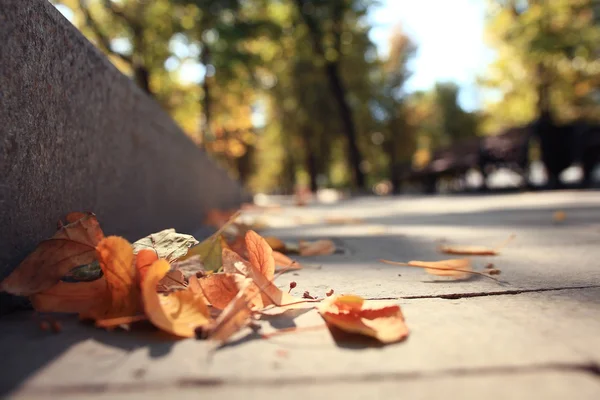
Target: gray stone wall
77 135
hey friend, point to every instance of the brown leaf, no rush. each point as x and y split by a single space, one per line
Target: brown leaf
283 262
68 297
474 250
179 312
317 248
173 280
275 243
236 315
355 315
218 289
73 245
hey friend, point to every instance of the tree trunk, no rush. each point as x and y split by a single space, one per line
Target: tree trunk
337 88
142 77
339 93
205 104
311 162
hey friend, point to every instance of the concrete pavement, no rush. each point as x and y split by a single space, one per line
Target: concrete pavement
534 336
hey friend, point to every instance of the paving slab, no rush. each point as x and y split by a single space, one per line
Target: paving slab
535 335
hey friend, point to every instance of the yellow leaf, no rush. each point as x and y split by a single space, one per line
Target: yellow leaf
353 314
179 312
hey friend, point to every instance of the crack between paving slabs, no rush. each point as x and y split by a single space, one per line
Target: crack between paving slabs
454 296
183 383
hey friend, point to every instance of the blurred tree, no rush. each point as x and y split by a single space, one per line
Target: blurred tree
324 20
547 61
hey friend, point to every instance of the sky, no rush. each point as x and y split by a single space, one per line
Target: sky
449 36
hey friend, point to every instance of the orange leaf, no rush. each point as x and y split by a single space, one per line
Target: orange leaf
317 248
283 262
73 245
260 254
353 314
116 260
114 322
179 312
67 297
236 315
219 289
143 260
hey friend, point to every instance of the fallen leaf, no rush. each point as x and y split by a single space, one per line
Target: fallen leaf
474 250
260 254
283 262
179 312
116 260
84 273
275 243
191 266
317 248
456 268
167 244
173 280
143 260
219 218
209 251
119 321
218 289
72 245
559 216
235 316
69 297
343 220
353 314
75 216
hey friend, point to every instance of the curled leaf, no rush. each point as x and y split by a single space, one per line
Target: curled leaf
73 245
167 244
283 262
191 266
179 312
275 243
353 314
317 248
143 260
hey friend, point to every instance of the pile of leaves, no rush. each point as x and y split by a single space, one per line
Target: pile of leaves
210 289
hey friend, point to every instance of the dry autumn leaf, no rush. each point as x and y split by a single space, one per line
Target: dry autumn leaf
474 250
235 316
167 244
191 266
123 296
353 314
317 248
73 245
218 289
69 297
179 312
209 251
283 262
455 268
275 243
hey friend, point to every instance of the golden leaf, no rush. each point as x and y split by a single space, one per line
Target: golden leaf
353 314
179 312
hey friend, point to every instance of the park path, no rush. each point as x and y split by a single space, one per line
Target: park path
534 336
